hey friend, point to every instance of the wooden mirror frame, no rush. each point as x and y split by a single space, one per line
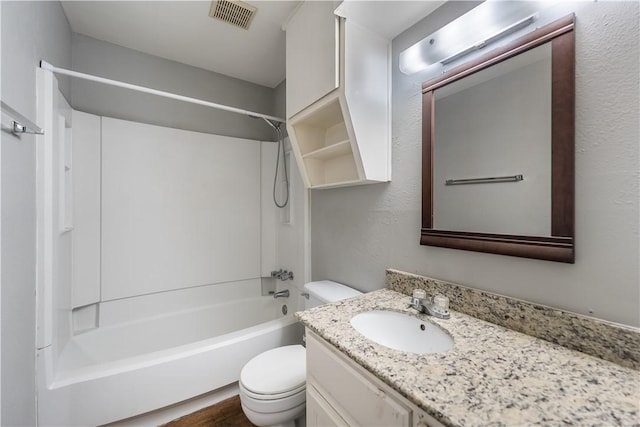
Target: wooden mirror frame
560 245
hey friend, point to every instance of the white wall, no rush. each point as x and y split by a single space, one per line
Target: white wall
159 209
179 209
358 232
86 209
287 226
31 31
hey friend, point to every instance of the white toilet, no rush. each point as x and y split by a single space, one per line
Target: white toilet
273 384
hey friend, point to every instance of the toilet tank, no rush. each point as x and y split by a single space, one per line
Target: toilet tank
324 291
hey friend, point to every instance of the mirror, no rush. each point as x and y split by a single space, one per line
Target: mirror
511 140
498 150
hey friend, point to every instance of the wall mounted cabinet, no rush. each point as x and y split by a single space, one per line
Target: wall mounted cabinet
338 98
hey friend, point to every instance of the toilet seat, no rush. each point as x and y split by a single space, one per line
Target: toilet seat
283 395
274 374
267 404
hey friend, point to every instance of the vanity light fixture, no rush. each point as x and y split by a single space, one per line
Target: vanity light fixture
483 25
497 36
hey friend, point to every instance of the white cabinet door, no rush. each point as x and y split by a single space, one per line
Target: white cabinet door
356 395
341 392
320 413
312 54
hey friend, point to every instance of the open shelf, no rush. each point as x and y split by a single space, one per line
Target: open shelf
320 126
331 171
325 147
336 150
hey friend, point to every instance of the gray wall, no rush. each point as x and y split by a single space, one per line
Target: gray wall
280 104
115 62
358 232
30 31
280 99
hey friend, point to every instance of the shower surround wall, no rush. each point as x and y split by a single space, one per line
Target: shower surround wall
177 209
377 227
31 31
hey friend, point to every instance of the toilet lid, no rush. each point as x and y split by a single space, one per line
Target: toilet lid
276 371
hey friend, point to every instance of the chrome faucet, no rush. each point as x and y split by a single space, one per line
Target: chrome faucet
281 294
427 305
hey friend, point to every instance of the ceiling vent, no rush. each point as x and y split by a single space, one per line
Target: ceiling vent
234 12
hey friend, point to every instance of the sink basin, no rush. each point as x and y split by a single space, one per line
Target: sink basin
402 332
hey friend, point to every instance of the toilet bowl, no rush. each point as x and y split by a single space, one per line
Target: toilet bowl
273 384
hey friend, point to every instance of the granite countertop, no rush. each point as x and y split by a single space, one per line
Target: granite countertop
493 376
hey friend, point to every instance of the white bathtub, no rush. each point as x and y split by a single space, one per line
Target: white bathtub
126 369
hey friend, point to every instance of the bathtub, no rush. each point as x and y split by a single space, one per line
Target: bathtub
125 369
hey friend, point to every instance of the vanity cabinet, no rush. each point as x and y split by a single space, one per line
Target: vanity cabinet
342 393
338 98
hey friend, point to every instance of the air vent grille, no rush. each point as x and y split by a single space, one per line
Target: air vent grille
234 12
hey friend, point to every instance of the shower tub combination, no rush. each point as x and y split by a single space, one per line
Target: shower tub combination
124 369
140 312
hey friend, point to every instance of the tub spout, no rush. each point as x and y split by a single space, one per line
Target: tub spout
281 294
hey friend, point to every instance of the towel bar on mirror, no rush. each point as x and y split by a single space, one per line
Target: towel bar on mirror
488 180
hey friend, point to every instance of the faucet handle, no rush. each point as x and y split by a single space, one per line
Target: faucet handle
419 293
441 301
277 273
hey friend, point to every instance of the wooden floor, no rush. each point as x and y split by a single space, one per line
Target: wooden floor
227 413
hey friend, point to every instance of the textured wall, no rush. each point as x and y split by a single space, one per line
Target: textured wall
358 232
115 62
31 31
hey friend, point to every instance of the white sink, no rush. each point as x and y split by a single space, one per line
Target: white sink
402 332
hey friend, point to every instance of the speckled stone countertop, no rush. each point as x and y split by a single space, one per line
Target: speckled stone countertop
493 376
609 341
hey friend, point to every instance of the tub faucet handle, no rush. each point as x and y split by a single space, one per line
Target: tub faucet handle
282 274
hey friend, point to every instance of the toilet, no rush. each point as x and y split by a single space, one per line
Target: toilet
273 384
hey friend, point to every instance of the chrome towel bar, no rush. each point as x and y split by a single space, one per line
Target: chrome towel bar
488 180
20 124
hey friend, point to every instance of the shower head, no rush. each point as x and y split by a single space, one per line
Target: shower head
274 124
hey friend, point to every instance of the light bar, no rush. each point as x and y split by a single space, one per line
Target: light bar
487 23
497 36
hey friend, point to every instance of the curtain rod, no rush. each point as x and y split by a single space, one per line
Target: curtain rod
46 66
